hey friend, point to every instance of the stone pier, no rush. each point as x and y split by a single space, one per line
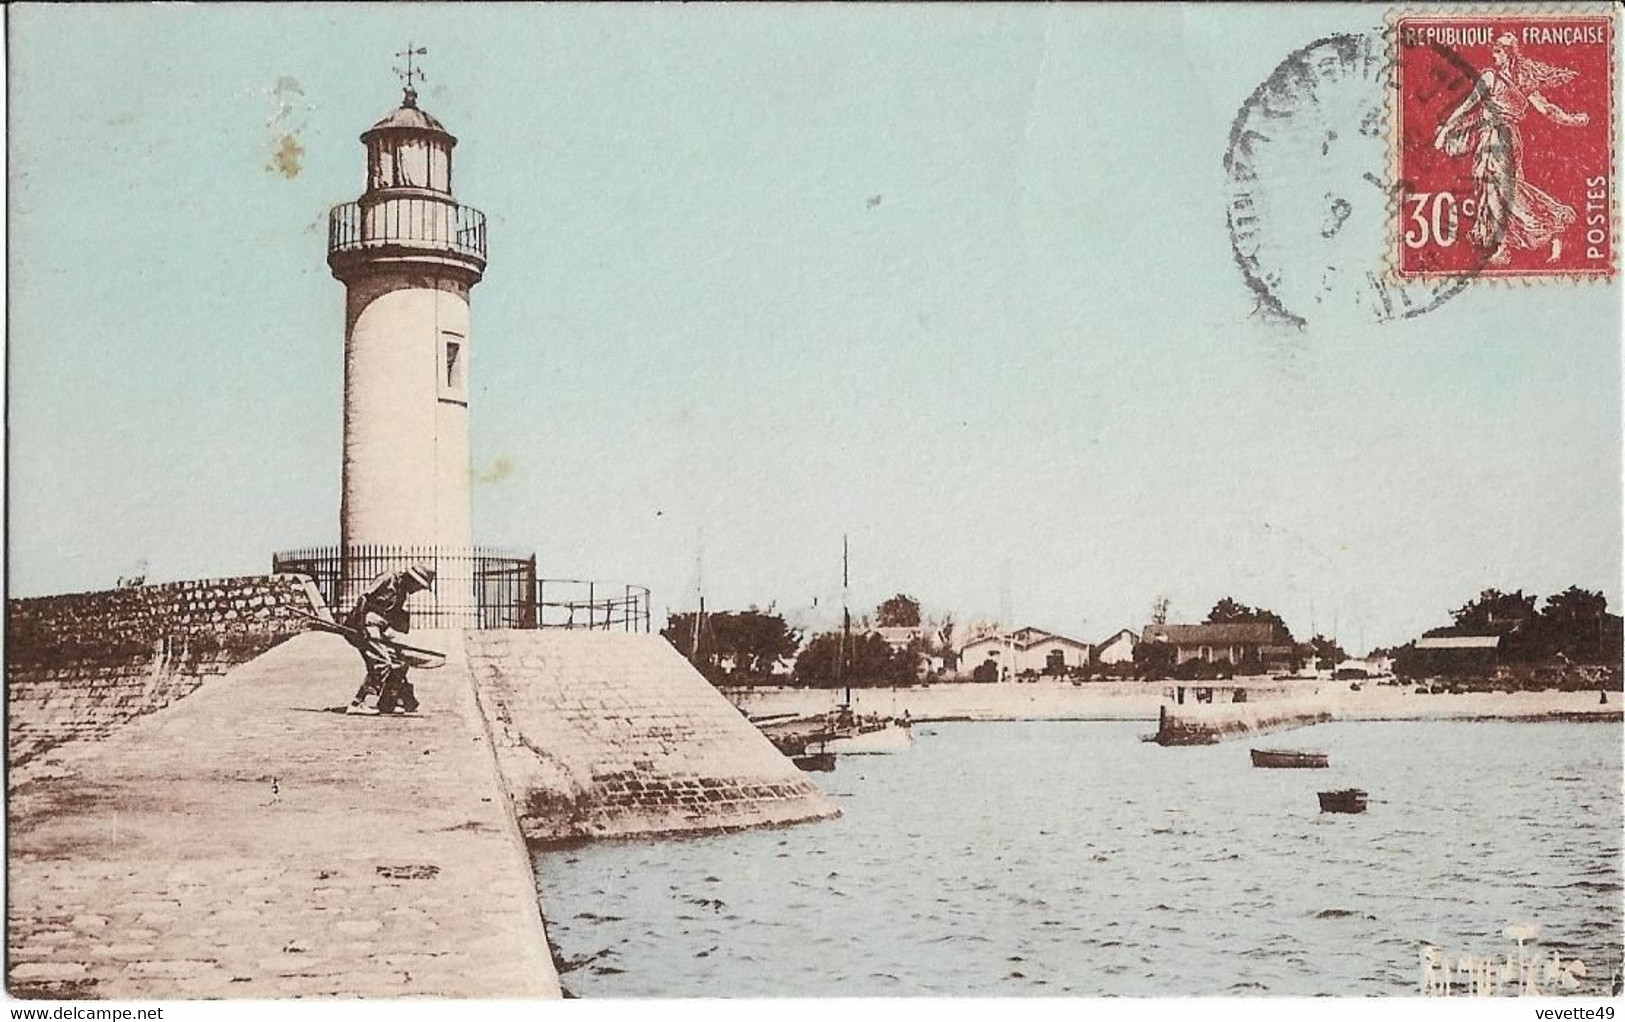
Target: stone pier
247 842
192 815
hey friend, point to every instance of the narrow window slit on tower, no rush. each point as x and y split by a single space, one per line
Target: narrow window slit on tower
453 349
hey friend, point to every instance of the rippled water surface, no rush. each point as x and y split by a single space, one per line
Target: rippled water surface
1071 858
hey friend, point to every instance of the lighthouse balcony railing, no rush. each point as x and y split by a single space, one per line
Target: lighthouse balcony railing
407 221
476 587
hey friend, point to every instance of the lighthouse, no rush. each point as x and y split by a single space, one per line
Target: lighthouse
408 255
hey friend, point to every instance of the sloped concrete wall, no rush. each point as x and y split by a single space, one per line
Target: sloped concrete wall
610 734
82 664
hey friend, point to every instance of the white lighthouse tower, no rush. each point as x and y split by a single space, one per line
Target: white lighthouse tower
408 255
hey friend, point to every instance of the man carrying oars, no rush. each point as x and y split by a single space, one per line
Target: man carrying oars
372 627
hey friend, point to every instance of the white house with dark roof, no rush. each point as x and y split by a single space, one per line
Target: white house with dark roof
1230 642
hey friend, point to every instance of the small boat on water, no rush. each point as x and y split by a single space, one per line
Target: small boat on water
839 732
1348 800
1289 759
815 762
793 734
869 737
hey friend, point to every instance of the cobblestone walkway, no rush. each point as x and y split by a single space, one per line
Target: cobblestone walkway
244 842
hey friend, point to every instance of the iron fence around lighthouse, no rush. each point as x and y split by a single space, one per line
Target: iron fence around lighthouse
475 587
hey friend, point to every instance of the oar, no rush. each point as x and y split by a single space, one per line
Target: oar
324 625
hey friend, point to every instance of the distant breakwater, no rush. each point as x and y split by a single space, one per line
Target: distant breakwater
1133 700
1210 724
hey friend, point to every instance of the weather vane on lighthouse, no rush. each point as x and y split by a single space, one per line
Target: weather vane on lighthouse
410 94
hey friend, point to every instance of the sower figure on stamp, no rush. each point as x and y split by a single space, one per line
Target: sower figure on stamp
372 626
1512 212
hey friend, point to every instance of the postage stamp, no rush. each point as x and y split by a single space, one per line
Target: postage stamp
1503 143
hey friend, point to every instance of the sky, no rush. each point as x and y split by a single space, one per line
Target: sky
954 281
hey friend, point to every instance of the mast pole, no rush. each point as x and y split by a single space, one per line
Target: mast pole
699 591
846 621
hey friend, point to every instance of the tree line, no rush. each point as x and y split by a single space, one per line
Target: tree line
747 647
1574 626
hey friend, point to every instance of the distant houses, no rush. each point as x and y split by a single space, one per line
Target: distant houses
1035 651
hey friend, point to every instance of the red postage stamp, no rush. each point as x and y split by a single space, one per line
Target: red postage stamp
1504 144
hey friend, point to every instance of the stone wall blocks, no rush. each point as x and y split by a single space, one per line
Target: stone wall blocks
72 637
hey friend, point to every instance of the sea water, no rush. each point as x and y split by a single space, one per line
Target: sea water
1070 858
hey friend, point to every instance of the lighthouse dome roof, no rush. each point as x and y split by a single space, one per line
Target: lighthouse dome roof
409 116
